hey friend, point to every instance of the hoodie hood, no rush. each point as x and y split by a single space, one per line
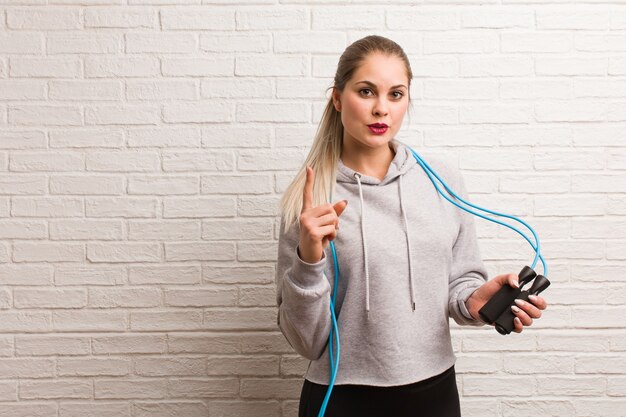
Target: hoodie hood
402 162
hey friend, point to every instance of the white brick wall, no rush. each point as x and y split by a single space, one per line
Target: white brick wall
144 145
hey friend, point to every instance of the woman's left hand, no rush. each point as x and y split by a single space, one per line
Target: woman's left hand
525 313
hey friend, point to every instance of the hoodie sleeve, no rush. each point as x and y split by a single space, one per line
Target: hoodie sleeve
468 271
302 297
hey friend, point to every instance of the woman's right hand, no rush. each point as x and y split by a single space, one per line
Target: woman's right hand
318 225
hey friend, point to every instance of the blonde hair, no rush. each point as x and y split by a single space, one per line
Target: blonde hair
326 149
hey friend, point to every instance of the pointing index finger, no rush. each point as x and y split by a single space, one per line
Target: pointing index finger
307 201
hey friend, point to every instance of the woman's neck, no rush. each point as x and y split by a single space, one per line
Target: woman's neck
373 162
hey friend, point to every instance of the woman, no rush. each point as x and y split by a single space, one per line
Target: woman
408 259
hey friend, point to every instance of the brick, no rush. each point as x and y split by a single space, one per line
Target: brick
170 230
8 391
22 139
242 366
49 298
44 345
24 66
235 184
161 90
523 386
217 251
44 19
160 42
15 229
6 346
124 297
86 230
22 90
101 409
128 207
237 229
213 112
86 184
165 367
123 252
24 409
21 43
240 319
213 387
89 320
129 66
235 42
122 17
531 407
166 320
87 43
578 385
122 115
201 297
194 18
93 367
271 388
129 344
165 274
235 137
582 19
76 90
48 252
239 274
170 408
272 19
199 207
90 275
163 137
27 368
600 364
48 207
110 138
204 67
25 322
132 161
121 388
163 185
573 342
435 43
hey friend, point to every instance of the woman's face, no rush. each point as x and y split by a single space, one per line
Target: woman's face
377 93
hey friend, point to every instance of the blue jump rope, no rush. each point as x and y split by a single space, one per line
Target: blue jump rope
504 297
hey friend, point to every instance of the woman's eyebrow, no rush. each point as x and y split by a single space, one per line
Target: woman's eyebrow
374 85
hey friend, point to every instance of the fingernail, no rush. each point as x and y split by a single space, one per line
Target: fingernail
519 302
517 320
515 309
532 298
516 284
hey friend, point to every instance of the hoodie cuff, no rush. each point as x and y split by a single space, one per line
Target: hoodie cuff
308 275
462 300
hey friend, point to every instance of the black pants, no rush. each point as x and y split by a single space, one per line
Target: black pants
433 397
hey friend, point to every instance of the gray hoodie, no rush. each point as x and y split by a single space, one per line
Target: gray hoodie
408 259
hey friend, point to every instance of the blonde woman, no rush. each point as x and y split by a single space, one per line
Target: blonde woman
408 259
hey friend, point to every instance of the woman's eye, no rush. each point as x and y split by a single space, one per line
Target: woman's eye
399 96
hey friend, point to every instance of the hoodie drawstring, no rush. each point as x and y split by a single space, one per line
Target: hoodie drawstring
367 274
408 245
408 241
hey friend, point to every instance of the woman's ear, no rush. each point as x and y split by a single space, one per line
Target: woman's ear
336 101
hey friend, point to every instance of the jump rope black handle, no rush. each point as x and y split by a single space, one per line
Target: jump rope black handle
498 309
